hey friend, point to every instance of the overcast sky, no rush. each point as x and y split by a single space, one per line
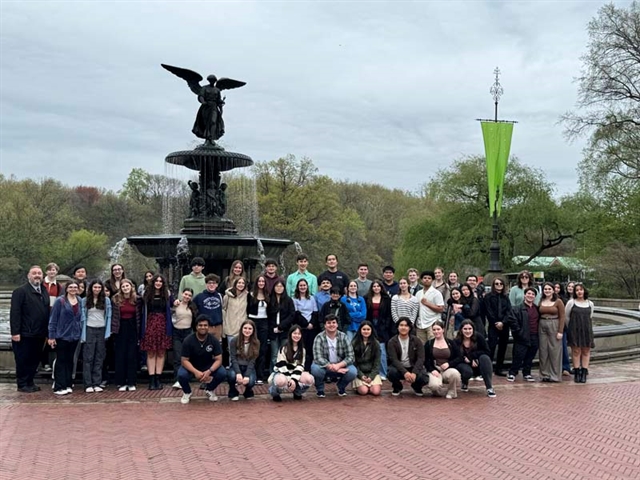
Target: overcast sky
384 92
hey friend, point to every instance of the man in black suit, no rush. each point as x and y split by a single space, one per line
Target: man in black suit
29 319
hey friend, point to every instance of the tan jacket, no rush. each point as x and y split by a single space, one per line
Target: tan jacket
234 312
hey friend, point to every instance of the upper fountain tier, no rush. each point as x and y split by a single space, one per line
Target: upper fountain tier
209 156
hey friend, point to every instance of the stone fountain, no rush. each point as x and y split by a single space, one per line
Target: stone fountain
206 232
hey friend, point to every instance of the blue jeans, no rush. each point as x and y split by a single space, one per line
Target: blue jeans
276 343
383 360
320 373
351 335
231 378
217 377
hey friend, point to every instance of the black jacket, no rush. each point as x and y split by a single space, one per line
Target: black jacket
519 324
340 309
384 326
454 355
481 348
497 308
29 315
416 355
252 304
287 315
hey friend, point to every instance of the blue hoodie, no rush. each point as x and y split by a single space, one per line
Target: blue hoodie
210 304
64 324
357 308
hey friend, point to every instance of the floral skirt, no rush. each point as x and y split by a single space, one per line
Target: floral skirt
155 336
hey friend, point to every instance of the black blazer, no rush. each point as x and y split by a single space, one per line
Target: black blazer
29 314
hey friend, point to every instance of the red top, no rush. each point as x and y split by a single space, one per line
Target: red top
127 310
375 307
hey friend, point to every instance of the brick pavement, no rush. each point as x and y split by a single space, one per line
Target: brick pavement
531 431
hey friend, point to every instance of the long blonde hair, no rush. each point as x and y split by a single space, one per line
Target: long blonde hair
119 297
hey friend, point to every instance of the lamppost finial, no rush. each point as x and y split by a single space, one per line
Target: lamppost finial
496 91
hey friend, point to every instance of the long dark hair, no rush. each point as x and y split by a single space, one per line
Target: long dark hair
297 355
192 308
554 295
234 289
113 278
89 297
463 298
504 287
473 338
358 341
369 297
273 300
254 343
450 300
256 289
296 294
149 293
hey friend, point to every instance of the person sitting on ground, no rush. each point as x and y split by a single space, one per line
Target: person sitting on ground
332 358
289 375
243 353
202 360
476 362
366 350
406 359
441 358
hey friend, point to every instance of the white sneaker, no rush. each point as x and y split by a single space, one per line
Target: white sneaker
69 390
212 396
89 390
449 396
98 389
235 399
60 392
186 397
176 385
123 388
478 378
383 378
131 388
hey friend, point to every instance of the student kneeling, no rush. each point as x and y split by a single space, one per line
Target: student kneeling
243 353
332 357
202 360
441 357
406 359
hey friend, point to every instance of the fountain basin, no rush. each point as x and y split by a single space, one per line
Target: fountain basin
225 248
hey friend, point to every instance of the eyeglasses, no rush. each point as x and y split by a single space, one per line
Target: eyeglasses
524 276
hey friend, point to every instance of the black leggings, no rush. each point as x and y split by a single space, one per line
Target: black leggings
484 368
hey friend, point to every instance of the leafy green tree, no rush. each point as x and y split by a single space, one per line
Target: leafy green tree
456 233
80 247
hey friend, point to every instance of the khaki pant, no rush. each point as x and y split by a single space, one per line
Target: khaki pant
216 331
424 334
550 350
450 376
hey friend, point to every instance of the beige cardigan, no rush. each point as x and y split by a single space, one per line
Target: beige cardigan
234 312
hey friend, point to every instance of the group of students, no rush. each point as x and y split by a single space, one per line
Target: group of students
423 329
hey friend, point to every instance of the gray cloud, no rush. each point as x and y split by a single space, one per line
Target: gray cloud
371 91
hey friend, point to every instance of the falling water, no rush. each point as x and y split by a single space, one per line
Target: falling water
182 261
115 253
261 257
242 201
283 268
298 248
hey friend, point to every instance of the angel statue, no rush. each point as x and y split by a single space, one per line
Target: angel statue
209 124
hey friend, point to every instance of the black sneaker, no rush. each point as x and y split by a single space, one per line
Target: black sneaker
297 397
511 378
396 393
277 398
320 394
491 393
464 387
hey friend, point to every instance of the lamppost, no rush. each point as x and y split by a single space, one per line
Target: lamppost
497 144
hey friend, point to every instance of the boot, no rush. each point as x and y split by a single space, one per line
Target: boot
576 374
152 382
158 384
583 375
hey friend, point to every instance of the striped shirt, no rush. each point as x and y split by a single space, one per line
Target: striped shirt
401 307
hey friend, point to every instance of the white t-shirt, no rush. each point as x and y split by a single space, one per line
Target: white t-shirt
333 349
404 358
426 316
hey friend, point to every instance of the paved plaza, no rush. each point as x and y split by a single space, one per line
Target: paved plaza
530 431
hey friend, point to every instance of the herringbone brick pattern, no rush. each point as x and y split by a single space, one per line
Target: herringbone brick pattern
529 432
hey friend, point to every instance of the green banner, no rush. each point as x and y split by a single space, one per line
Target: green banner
497 144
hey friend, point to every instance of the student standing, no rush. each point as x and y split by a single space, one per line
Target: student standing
404 304
338 279
96 328
292 280
497 308
307 317
550 332
184 321
390 285
209 303
579 311
431 307
156 328
196 279
65 329
523 322
357 308
125 326
379 314
257 303
280 312
364 284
